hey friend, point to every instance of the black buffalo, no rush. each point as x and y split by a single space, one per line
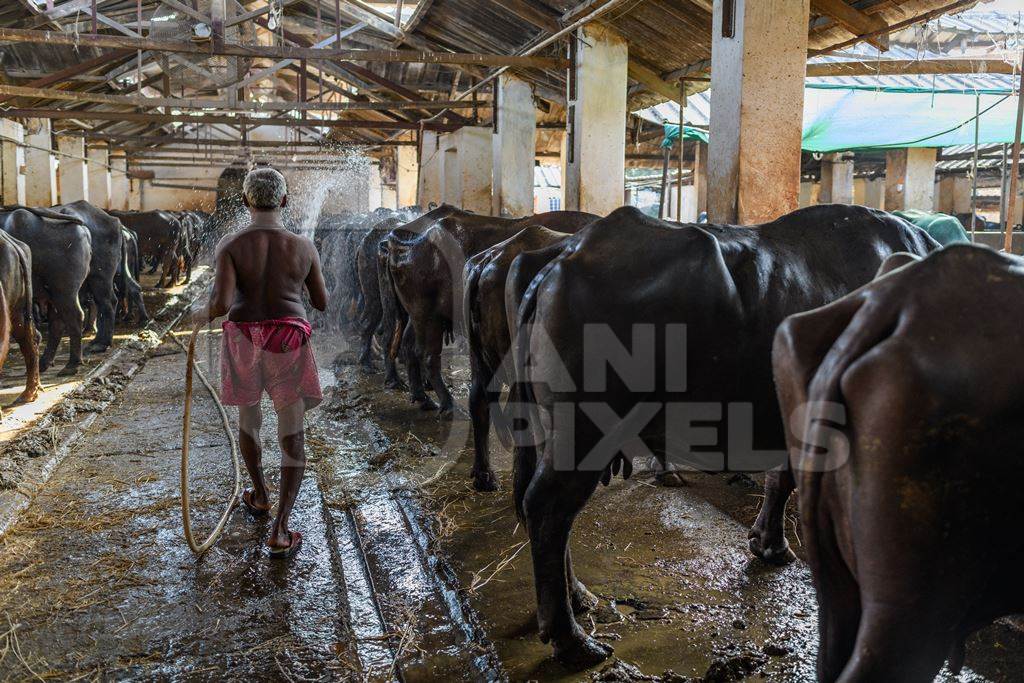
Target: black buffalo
107 255
686 317
371 310
126 282
163 242
16 311
486 304
909 486
61 248
426 272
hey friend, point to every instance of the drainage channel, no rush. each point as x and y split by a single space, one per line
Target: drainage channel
407 614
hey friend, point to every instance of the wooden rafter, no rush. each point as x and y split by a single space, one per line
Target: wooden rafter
93 115
15 35
855 21
194 103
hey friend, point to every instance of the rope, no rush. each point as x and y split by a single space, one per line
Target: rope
186 516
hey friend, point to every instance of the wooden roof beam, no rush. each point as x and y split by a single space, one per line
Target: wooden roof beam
908 67
93 115
855 21
129 41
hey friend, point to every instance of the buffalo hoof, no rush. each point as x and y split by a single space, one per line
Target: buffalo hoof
27 396
96 348
582 599
44 365
69 370
396 384
484 481
582 653
426 403
671 479
446 413
778 554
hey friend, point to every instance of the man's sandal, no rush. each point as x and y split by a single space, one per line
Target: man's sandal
291 550
253 511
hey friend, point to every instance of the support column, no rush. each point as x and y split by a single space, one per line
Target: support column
374 198
514 140
910 178
700 176
97 160
465 168
836 179
135 194
73 177
119 184
12 161
406 176
758 62
954 195
596 149
40 166
429 176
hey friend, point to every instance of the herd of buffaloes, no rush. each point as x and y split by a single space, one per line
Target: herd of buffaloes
839 350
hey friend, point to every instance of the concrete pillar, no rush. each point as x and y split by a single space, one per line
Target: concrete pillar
869 192
388 197
954 194
406 176
97 160
430 185
119 184
700 176
74 181
374 198
808 194
514 142
12 161
836 179
135 194
910 178
465 168
40 166
758 62
596 151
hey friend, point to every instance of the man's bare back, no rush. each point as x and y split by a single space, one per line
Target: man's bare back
261 272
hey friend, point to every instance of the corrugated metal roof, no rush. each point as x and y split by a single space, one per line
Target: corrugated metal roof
993 23
936 82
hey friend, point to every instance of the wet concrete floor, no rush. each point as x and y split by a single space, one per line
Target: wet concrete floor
406 573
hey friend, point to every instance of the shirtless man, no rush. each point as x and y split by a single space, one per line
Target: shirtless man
261 272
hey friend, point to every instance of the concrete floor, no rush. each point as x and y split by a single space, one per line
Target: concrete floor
395 578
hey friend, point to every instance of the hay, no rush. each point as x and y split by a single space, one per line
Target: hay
479 581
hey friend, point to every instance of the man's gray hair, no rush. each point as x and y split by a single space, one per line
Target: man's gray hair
264 188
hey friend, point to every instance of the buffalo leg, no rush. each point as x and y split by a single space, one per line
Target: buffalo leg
73 315
28 342
480 401
433 345
370 323
551 505
417 394
768 535
838 602
53 334
391 378
104 324
897 643
88 325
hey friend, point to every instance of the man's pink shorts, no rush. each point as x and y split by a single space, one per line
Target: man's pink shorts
270 354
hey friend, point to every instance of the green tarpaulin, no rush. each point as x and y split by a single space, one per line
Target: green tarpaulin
691 133
848 119
943 228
